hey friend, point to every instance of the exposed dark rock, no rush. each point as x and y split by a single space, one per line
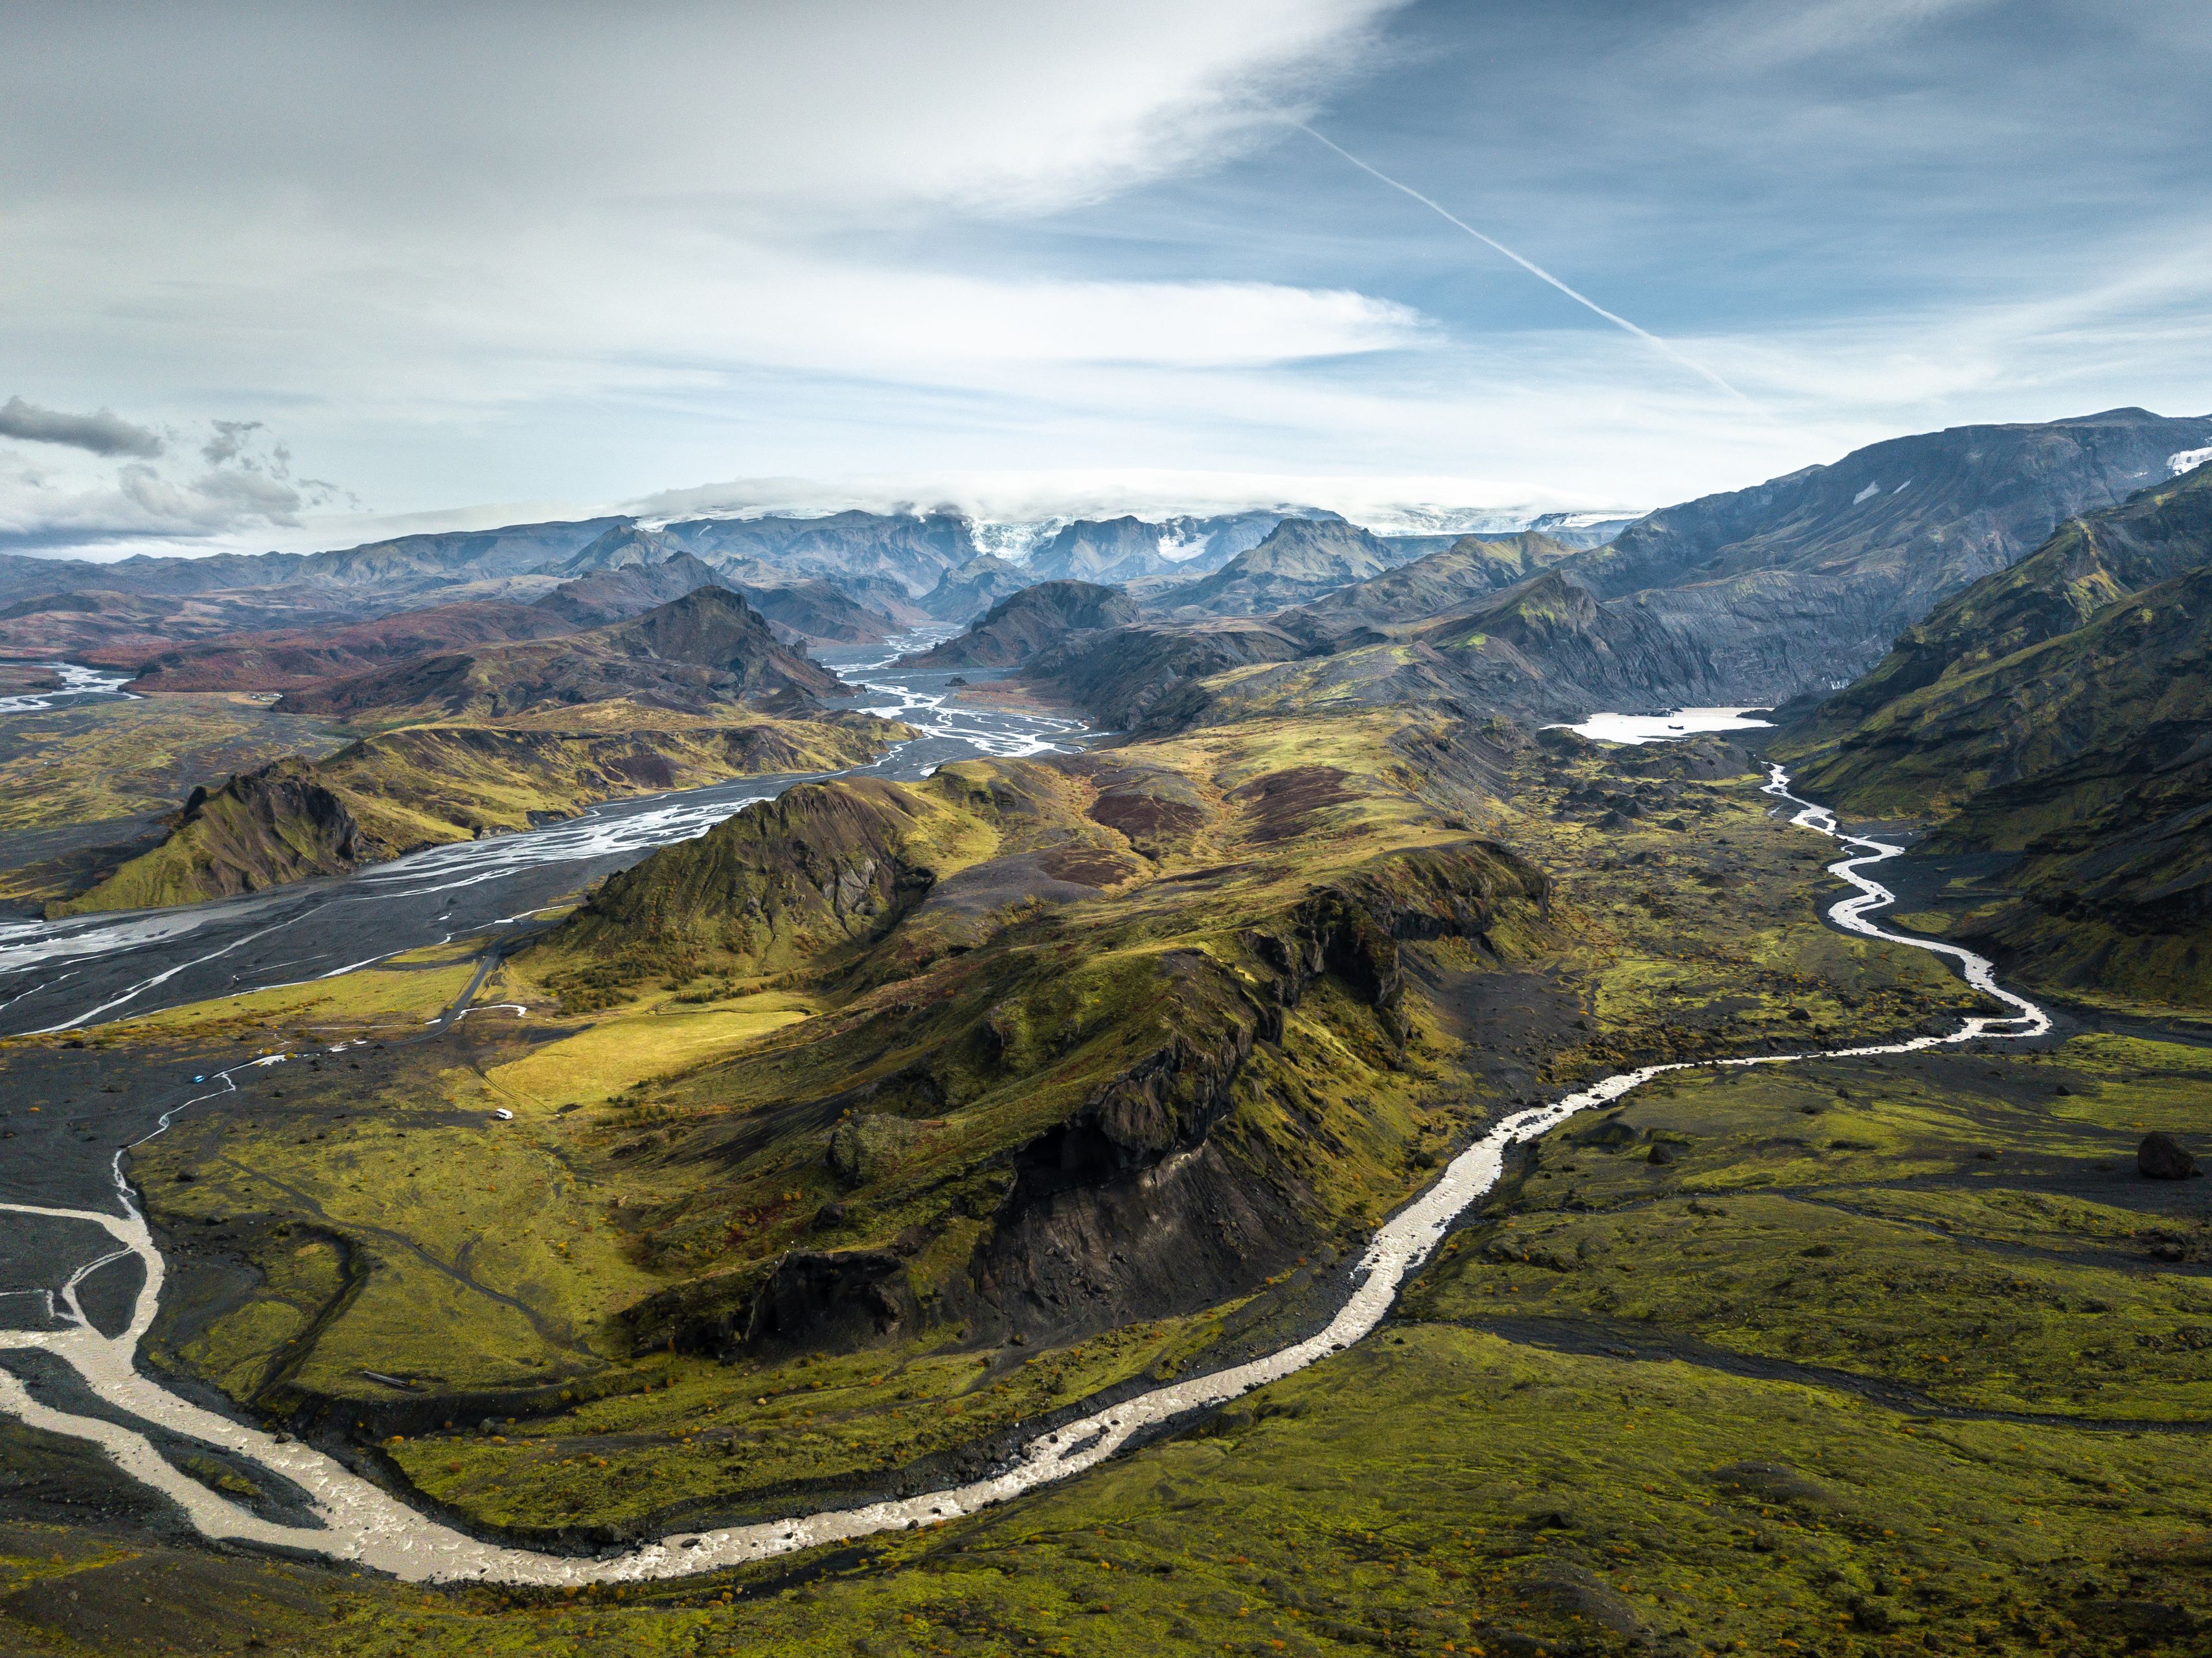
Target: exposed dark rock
2162 1157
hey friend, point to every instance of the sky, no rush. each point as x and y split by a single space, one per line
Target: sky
299 275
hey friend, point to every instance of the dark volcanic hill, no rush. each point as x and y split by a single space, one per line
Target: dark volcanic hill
1301 560
292 659
1120 676
1802 582
1548 650
1432 586
1032 620
2091 562
803 611
818 613
613 593
708 648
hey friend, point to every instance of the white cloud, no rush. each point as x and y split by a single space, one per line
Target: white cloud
246 488
1381 499
839 110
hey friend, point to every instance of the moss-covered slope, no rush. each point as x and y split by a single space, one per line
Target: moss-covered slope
422 785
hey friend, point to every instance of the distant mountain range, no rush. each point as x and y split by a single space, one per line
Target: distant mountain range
1794 587
1801 583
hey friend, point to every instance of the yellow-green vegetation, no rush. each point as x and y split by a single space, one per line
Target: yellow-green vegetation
106 760
606 1059
860 1138
884 1153
885 1082
1967 1227
398 994
422 785
76 783
693 1438
1437 1491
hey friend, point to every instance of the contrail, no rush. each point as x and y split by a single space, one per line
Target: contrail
1531 267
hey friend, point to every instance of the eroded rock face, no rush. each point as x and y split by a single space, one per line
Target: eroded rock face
1135 1207
850 1299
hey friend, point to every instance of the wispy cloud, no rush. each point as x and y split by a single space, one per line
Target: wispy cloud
483 260
101 433
245 487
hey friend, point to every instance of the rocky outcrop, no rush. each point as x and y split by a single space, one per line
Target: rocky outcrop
2162 1157
1121 676
1134 1206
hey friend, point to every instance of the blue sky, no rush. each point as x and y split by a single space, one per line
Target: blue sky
438 265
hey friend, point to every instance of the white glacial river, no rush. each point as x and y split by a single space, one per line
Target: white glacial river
367 1526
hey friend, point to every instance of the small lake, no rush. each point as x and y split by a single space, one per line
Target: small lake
1635 728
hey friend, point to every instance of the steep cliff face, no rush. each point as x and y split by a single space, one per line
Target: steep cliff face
1801 583
1549 650
1154 1196
2089 563
2086 758
1157 1185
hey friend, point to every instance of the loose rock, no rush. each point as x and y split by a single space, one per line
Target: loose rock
2162 1157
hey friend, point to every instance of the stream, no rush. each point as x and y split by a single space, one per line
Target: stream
365 1526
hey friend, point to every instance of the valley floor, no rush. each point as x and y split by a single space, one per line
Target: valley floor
1857 1356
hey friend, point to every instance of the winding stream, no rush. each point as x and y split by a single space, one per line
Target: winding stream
367 1526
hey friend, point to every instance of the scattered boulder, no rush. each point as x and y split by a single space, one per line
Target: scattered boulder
2162 1157
1660 1153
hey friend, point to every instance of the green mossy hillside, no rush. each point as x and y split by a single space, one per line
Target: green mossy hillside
425 784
